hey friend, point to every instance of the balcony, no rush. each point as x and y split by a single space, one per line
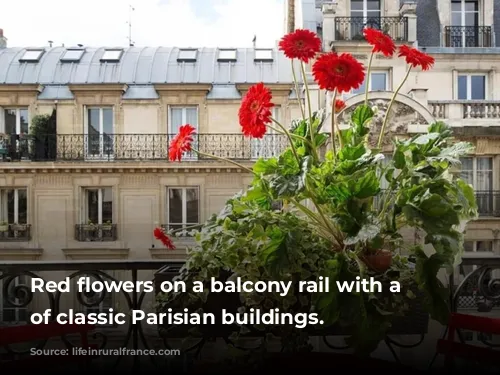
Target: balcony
136 147
351 28
468 36
96 232
15 232
466 112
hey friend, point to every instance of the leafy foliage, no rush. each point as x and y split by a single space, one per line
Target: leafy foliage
336 216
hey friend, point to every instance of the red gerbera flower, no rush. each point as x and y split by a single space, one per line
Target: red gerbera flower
181 142
301 44
165 240
415 58
380 41
341 72
255 111
339 105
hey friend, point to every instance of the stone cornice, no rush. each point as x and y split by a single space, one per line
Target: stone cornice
98 87
62 168
276 89
21 88
201 87
11 253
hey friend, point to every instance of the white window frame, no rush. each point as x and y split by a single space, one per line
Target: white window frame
100 202
227 54
463 12
32 55
66 58
109 55
18 110
263 54
171 134
4 204
365 9
188 55
19 280
184 205
102 152
475 170
469 84
387 73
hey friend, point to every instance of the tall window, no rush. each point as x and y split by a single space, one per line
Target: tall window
99 133
271 144
471 87
15 121
14 206
183 207
180 116
10 313
365 8
379 81
478 171
464 30
464 13
98 205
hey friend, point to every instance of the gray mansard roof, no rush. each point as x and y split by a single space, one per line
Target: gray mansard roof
143 66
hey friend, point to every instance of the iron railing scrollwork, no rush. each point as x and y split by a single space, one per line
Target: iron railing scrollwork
96 232
351 28
15 232
468 36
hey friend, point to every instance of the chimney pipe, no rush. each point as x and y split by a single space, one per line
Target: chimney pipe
3 40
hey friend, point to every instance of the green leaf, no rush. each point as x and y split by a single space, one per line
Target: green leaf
265 166
367 233
366 186
361 115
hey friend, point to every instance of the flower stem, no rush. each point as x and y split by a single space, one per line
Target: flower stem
303 68
335 127
224 159
287 133
296 83
381 136
367 81
291 134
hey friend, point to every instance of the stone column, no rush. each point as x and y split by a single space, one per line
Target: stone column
329 11
409 10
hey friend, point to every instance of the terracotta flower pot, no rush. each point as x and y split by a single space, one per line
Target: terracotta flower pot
379 261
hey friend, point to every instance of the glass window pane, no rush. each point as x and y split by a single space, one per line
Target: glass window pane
107 205
484 164
175 206
471 19
356 5
456 6
484 246
10 121
192 206
456 20
23 118
92 206
93 121
192 116
373 4
467 172
378 81
11 211
107 120
22 206
176 120
360 89
478 87
469 246
471 6
462 87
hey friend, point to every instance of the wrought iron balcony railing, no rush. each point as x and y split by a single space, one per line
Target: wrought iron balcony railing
468 36
351 28
96 232
15 232
140 147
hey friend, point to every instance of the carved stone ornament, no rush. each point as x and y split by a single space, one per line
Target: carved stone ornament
400 117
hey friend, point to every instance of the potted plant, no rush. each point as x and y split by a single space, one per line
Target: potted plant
337 222
4 226
107 225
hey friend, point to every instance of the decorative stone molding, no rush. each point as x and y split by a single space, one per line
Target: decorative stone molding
159 253
41 168
21 254
96 254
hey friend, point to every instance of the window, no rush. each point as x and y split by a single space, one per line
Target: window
112 55
365 8
227 55
478 246
99 135
471 87
183 207
98 205
32 55
72 55
9 312
187 55
464 13
14 206
180 116
478 171
15 121
272 144
379 81
263 55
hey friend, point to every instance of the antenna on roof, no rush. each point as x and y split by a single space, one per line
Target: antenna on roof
50 43
254 41
130 10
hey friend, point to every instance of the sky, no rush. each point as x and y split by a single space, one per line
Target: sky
179 23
